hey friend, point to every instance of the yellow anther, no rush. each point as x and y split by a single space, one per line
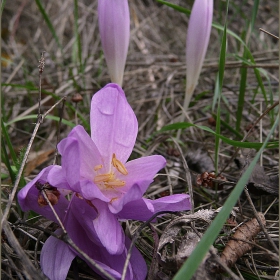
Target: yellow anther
103 178
118 165
115 183
97 167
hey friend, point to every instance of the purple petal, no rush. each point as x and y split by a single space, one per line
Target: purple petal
134 193
113 124
57 178
101 226
28 198
90 191
69 149
141 173
143 209
85 213
89 156
137 264
108 229
82 236
114 27
56 258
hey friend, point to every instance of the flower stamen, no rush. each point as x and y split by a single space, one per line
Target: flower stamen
115 183
103 177
118 165
98 167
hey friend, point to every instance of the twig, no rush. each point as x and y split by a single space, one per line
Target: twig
65 237
154 263
259 221
11 263
29 270
13 193
41 70
188 174
136 235
249 132
272 35
36 249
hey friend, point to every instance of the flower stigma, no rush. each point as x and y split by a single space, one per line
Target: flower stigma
106 181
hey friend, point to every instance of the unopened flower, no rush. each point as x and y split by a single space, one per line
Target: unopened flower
197 42
114 28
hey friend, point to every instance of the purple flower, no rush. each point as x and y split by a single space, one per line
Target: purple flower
56 256
114 28
106 188
197 42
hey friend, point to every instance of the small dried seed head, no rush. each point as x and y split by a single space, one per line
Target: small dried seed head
41 65
77 97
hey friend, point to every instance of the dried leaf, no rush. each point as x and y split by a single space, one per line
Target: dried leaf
37 159
187 246
259 182
237 248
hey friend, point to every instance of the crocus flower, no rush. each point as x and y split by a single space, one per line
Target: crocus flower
197 42
56 256
106 188
114 28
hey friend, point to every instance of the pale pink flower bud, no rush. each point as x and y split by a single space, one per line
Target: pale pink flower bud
114 28
197 42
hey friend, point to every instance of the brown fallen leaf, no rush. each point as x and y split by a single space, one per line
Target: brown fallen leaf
37 160
236 248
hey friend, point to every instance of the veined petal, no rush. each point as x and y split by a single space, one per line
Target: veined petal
56 258
113 124
197 42
114 27
143 209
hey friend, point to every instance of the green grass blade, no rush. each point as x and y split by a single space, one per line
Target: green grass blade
48 22
2 6
5 160
175 7
220 76
7 139
50 117
190 266
241 95
229 127
251 145
254 13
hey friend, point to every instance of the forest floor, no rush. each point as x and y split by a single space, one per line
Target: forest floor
154 83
